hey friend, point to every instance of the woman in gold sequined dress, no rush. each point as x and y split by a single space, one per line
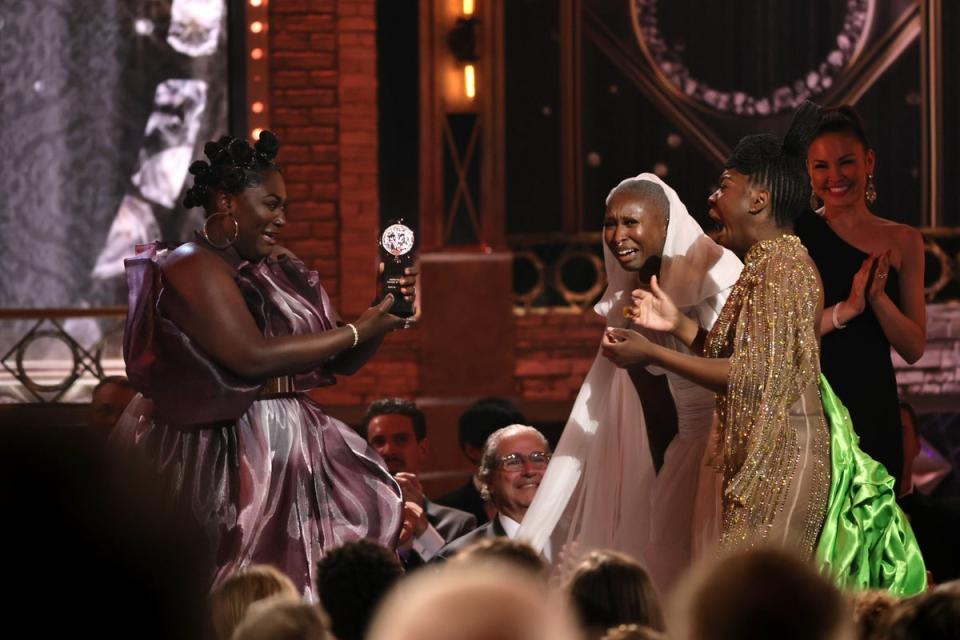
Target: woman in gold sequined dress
785 449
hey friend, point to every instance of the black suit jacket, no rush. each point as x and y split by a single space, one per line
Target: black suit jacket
491 529
449 523
468 499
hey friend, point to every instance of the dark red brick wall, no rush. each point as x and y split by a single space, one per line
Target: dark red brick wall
323 74
554 353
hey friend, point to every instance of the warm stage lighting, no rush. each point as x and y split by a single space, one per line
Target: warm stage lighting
256 27
257 107
255 134
256 3
257 53
470 81
468 7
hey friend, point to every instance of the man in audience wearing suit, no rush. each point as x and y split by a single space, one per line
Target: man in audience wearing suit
474 427
512 465
397 429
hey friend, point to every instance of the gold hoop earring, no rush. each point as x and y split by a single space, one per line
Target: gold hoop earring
206 234
870 193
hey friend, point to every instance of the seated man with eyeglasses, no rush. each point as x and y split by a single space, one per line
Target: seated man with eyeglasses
512 465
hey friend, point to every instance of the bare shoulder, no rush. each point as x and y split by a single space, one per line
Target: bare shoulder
905 241
189 262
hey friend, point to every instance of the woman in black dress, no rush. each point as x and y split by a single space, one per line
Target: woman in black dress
872 272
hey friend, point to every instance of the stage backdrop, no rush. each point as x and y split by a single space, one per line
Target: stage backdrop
103 104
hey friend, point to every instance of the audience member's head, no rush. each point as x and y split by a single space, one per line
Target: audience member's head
110 397
397 429
512 465
760 594
480 420
464 602
870 608
352 579
934 615
634 632
102 535
911 445
608 589
282 617
230 601
503 550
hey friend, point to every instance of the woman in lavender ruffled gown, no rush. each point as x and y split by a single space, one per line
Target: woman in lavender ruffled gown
223 337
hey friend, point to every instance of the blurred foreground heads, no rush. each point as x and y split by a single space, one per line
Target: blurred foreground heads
479 602
760 594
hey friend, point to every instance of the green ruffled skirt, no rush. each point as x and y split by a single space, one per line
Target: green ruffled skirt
866 542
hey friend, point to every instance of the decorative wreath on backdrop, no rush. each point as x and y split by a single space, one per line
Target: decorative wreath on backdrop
669 64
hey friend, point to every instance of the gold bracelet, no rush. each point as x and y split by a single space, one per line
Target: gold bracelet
356 335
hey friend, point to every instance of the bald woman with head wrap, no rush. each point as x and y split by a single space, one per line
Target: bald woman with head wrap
615 481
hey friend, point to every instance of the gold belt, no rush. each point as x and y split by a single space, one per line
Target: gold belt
278 387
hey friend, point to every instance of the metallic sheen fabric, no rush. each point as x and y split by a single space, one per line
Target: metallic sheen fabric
271 480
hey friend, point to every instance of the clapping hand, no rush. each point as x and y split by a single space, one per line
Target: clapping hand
410 487
857 299
414 522
625 347
876 289
654 309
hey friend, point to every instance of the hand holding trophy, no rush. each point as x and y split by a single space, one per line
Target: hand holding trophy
396 244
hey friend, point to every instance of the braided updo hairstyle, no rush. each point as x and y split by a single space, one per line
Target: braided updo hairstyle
780 166
233 166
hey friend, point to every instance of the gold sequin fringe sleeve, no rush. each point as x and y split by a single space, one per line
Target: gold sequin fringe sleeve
767 329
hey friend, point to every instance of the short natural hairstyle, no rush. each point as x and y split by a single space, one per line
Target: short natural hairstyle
484 417
489 459
609 588
645 190
232 165
231 599
757 595
281 617
780 167
352 579
396 406
842 119
516 553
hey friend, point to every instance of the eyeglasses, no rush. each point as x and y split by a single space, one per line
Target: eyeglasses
515 461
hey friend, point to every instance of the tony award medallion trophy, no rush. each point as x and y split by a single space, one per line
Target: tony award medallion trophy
397 246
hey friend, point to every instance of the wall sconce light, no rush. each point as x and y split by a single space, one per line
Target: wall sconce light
470 81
